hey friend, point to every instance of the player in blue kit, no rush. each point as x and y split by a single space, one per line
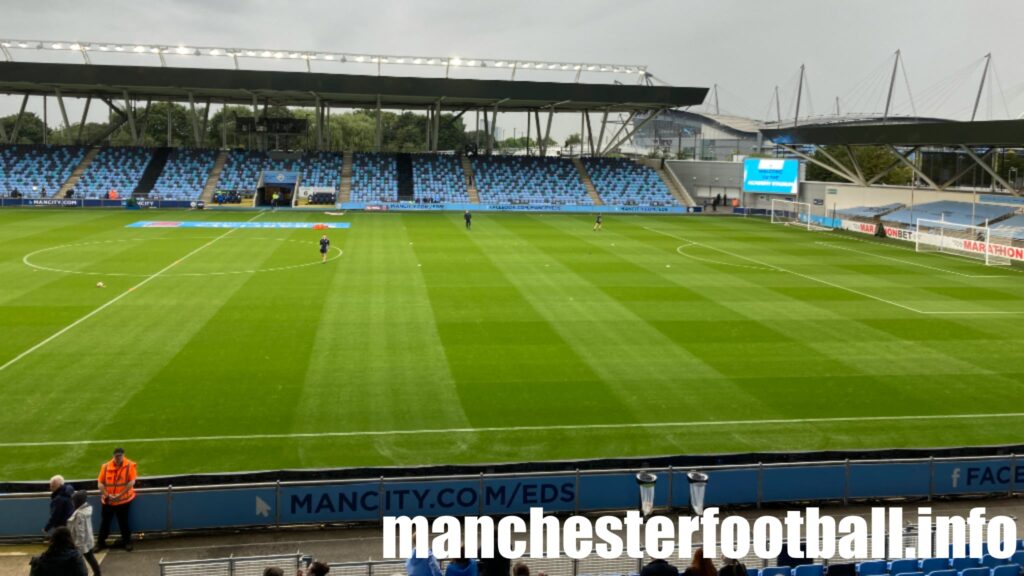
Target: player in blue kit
325 245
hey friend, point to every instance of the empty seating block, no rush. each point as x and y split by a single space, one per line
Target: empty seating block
374 177
322 170
185 174
622 181
438 178
33 170
950 211
114 170
520 180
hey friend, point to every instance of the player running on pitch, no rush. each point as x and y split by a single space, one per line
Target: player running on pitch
597 223
325 245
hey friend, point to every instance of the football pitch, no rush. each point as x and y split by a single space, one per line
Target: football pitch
531 337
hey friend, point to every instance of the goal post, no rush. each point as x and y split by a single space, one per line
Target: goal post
795 214
975 242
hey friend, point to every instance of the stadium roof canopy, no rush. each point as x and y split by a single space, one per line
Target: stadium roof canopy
339 90
977 140
935 133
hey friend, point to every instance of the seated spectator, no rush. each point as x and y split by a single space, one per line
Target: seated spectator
60 559
659 567
700 566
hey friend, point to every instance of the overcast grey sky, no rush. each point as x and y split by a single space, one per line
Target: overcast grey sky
746 47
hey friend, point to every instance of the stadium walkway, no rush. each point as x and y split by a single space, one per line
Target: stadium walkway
339 544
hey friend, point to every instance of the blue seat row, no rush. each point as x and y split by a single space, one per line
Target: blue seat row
622 181
438 178
35 170
374 177
529 181
185 174
114 170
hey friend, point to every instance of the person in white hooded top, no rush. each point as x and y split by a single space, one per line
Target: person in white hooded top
80 524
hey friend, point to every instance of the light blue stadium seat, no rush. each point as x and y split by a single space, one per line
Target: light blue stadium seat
976 571
808 570
752 571
990 561
942 573
929 565
961 564
871 568
775 571
1006 570
903 566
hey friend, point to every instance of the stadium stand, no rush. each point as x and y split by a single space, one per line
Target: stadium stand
901 566
868 212
115 169
374 177
29 170
622 181
1012 227
950 211
518 180
322 170
439 178
241 172
185 174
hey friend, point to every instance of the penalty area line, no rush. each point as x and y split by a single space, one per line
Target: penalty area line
115 299
514 429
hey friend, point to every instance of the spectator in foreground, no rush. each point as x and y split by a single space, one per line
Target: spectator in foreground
700 566
462 566
520 569
273 571
732 568
659 567
80 524
426 566
60 559
315 569
60 503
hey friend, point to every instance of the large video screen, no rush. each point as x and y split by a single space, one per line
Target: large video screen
771 175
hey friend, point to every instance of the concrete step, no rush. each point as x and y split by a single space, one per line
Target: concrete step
467 169
345 192
214 178
76 174
587 182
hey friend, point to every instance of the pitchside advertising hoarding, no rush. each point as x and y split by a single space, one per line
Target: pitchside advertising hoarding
771 176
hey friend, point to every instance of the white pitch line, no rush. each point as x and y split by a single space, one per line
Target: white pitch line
781 269
115 299
909 263
838 286
502 429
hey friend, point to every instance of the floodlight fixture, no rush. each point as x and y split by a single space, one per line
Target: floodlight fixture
235 53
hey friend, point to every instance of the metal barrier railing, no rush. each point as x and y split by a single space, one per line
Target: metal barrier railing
231 566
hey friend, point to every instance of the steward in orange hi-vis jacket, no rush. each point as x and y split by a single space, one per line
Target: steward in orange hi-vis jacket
117 490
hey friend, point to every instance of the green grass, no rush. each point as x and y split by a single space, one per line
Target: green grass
506 343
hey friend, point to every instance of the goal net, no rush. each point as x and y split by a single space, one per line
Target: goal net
976 242
795 214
